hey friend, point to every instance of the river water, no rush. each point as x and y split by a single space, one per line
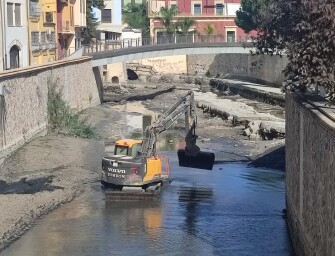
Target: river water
231 210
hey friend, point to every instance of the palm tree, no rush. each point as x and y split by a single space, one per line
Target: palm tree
183 25
210 29
166 18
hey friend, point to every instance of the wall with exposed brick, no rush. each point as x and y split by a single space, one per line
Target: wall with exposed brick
256 68
310 176
23 110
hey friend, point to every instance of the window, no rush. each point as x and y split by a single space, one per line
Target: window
34 9
173 6
17 15
219 9
43 41
121 150
230 36
136 149
197 9
52 40
49 17
35 44
106 16
10 13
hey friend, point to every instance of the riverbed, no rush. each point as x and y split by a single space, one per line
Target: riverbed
231 210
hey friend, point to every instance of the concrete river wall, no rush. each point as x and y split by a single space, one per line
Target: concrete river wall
310 176
23 105
256 68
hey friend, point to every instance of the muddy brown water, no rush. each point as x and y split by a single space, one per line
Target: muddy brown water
231 210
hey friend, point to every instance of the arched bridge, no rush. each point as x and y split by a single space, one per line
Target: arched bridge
128 50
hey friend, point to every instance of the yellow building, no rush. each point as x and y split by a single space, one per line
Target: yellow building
65 26
42 20
71 20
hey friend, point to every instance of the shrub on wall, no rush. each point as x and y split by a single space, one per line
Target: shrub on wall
61 118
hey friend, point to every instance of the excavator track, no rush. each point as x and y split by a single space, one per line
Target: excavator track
136 193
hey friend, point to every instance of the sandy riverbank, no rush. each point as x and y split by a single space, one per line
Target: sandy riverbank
54 169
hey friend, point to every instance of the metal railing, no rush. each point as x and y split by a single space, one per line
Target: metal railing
52 45
66 26
108 45
35 47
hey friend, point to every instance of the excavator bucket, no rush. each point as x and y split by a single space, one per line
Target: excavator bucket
202 160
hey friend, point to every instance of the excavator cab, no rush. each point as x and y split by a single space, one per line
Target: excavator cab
128 147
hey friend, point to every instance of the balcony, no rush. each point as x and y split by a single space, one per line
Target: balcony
52 45
44 46
35 47
67 28
34 10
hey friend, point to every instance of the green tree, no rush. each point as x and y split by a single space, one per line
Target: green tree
250 14
91 20
166 17
135 15
183 25
304 31
209 29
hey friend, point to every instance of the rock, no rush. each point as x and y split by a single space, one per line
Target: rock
254 126
142 78
246 132
154 79
253 136
178 80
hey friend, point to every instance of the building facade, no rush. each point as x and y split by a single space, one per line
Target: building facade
110 27
79 23
212 16
42 31
65 28
15 33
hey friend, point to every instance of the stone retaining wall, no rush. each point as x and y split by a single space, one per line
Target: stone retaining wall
23 110
255 68
310 173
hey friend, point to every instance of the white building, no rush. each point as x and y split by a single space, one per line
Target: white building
110 18
15 36
131 37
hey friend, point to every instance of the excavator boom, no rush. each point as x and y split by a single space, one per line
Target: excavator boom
191 156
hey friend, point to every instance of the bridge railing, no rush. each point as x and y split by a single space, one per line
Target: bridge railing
108 45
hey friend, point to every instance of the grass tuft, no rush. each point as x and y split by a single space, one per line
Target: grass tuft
62 119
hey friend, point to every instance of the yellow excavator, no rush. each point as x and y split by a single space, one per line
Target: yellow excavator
135 163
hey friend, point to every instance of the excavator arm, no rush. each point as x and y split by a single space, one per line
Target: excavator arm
191 156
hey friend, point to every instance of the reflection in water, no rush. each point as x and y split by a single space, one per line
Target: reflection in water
227 211
193 198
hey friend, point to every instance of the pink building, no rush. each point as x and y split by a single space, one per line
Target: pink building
219 15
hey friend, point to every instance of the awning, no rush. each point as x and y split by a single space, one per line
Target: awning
110 28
